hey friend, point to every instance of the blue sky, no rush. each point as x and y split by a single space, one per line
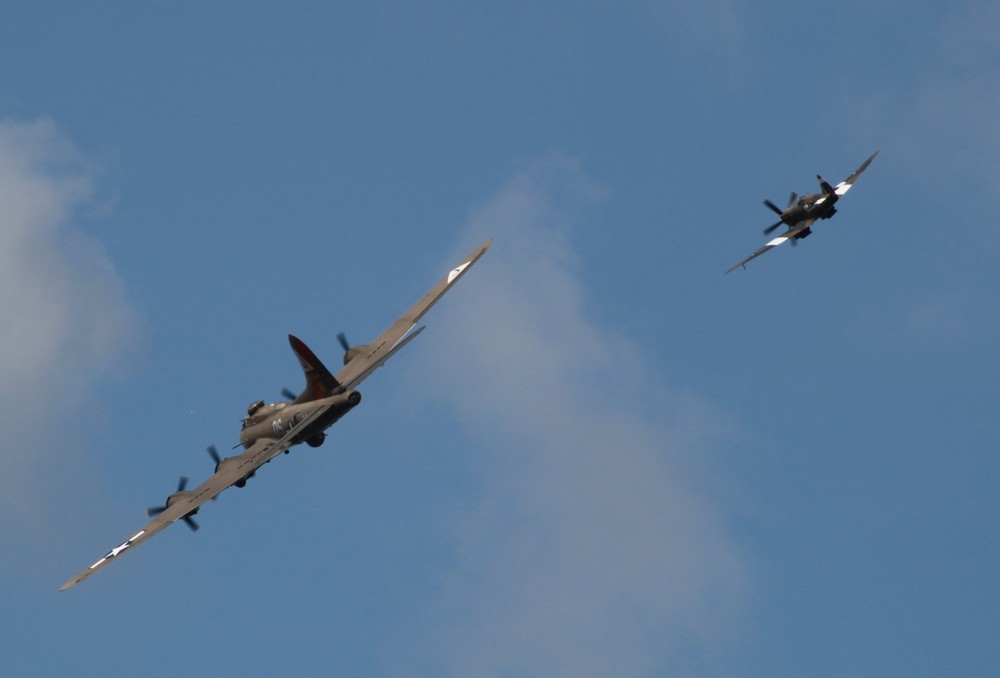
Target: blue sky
603 457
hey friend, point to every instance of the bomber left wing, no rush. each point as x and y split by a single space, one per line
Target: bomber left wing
187 503
183 504
787 235
398 334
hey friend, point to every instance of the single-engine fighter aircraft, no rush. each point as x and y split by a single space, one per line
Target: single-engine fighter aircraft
269 430
802 212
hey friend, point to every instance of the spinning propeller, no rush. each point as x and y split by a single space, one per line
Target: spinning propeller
213 452
157 510
350 351
774 208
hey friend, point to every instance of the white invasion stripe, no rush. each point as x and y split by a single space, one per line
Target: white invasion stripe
777 241
842 188
457 272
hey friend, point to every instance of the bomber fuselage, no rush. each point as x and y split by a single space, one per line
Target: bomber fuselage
275 419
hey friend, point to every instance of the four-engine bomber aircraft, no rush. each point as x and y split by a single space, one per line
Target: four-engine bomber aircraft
802 212
269 430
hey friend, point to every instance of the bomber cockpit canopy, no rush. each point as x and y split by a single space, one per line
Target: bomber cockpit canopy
254 413
252 409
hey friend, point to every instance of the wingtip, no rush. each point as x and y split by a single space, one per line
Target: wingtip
475 254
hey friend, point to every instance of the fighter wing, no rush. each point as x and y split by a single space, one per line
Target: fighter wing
845 185
787 235
232 469
399 333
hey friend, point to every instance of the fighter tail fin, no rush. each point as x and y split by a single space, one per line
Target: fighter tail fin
825 185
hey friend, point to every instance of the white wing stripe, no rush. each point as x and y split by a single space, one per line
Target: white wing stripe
457 272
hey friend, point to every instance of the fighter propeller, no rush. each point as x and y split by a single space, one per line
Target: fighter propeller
774 208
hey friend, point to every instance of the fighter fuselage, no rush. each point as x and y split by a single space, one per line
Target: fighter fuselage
816 206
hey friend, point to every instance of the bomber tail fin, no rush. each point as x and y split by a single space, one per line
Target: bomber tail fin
319 381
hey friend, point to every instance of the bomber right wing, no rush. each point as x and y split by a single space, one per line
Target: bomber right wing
399 333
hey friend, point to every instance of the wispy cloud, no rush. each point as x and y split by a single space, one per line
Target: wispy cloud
596 548
65 314
714 31
943 116
937 123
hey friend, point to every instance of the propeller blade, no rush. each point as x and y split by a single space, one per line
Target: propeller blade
190 523
342 338
792 198
288 394
157 510
214 454
772 227
774 208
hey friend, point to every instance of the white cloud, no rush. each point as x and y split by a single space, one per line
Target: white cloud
66 317
596 547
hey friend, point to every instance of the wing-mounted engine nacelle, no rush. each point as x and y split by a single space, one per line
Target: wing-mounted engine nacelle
341 404
355 351
221 464
829 213
181 493
351 352
337 407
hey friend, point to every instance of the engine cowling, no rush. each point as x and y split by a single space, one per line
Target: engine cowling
355 351
181 493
